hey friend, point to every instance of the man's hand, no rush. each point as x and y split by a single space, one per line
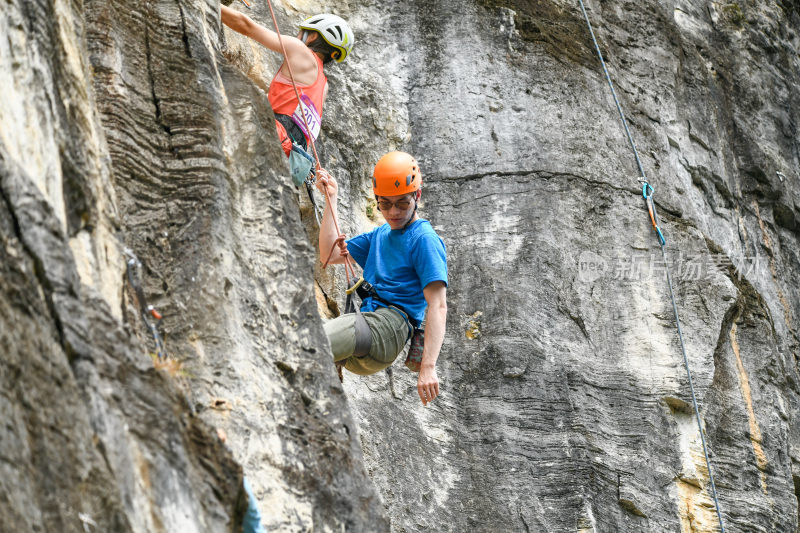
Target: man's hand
427 384
326 181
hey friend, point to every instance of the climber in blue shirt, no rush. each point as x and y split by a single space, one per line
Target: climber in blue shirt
405 263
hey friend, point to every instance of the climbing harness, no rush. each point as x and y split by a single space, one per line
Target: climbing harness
647 193
151 317
363 335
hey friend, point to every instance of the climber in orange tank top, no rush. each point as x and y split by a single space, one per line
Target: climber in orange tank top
322 38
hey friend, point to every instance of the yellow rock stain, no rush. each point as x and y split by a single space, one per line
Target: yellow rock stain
474 326
755 431
696 508
584 525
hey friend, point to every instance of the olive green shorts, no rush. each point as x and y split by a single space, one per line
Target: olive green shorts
389 335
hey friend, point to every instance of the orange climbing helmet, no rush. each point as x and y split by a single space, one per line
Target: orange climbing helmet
396 173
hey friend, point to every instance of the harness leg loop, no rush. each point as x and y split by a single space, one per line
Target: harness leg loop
363 335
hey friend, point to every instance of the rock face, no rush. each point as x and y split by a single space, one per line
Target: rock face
93 437
124 126
565 404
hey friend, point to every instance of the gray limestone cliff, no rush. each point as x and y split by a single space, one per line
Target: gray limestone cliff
565 404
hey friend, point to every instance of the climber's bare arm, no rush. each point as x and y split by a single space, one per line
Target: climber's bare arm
301 57
327 229
435 321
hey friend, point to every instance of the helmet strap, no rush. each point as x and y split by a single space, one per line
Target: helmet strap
410 220
304 37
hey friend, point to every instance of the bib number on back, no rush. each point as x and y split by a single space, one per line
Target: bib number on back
307 108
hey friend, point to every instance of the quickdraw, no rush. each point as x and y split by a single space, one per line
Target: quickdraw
150 316
309 183
647 192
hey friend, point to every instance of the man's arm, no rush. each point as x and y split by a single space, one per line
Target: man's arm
300 55
435 321
327 230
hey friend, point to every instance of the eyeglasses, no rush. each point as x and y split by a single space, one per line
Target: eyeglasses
402 205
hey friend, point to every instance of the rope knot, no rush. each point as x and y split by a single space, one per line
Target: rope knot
339 241
342 245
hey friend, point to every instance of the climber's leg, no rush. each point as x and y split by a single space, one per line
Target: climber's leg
389 331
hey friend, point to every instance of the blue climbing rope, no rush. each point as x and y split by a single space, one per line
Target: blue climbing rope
614 93
647 193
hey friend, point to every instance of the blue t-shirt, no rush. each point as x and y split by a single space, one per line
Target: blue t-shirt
400 263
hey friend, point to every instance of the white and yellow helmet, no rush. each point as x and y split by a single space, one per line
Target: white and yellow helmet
334 30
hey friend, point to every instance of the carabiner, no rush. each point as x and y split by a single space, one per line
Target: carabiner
647 194
355 286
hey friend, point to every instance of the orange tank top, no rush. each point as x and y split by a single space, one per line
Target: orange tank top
281 93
